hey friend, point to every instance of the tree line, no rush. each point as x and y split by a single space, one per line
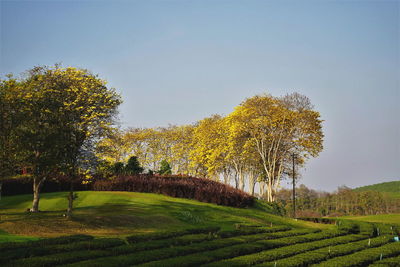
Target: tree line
60 122
343 201
253 144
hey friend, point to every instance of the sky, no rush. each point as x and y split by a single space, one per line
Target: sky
177 62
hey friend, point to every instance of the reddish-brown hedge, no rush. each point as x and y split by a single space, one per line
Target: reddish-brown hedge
203 190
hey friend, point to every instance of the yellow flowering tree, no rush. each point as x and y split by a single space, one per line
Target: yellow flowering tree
65 110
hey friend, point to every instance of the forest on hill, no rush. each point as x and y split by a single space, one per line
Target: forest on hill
391 188
343 201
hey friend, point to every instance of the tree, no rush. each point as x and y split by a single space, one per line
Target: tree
165 168
277 130
133 166
88 108
9 120
64 110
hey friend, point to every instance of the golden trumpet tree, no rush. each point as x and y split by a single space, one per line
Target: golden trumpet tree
277 130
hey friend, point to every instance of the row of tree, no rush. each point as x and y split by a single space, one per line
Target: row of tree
50 120
57 122
344 201
253 144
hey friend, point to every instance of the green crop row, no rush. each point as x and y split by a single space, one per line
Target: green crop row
57 259
168 252
164 243
237 250
285 249
364 257
44 242
166 235
392 261
27 252
191 239
252 230
322 254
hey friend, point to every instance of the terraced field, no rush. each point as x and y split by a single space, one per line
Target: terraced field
348 244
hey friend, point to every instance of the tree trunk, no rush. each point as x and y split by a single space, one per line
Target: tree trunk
262 188
252 182
37 184
241 180
70 200
1 188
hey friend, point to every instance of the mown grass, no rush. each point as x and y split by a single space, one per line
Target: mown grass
6 237
120 214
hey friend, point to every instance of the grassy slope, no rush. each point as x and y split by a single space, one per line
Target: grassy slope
124 213
392 188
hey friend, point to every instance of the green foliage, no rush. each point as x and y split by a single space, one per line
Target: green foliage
58 259
388 187
175 251
166 235
56 115
117 168
386 262
324 253
133 166
44 242
47 249
364 257
285 251
165 168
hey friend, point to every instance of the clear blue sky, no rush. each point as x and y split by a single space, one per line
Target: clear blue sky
180 61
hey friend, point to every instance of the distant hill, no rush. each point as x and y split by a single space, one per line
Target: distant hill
392 188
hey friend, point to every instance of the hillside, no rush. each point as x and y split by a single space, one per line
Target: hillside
142 229
392 188
124 213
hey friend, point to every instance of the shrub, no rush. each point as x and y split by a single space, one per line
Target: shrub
324 253
281 248
44 242
393 261
58 259
364 257
203 190
26 252
218 253
168 252
165 235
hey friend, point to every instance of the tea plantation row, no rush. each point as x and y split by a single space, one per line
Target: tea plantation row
350 244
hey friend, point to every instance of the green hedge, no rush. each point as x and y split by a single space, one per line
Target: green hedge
58 259
238 250
364 257
252 230
44 242
168 252
94 244
166 235
285 249
190 239
393 261
157 244
322 254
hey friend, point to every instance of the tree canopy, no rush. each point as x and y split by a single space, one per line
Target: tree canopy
58 114
253 144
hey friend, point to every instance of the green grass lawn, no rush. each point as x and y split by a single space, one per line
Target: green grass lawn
382 218
125 213
6 237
